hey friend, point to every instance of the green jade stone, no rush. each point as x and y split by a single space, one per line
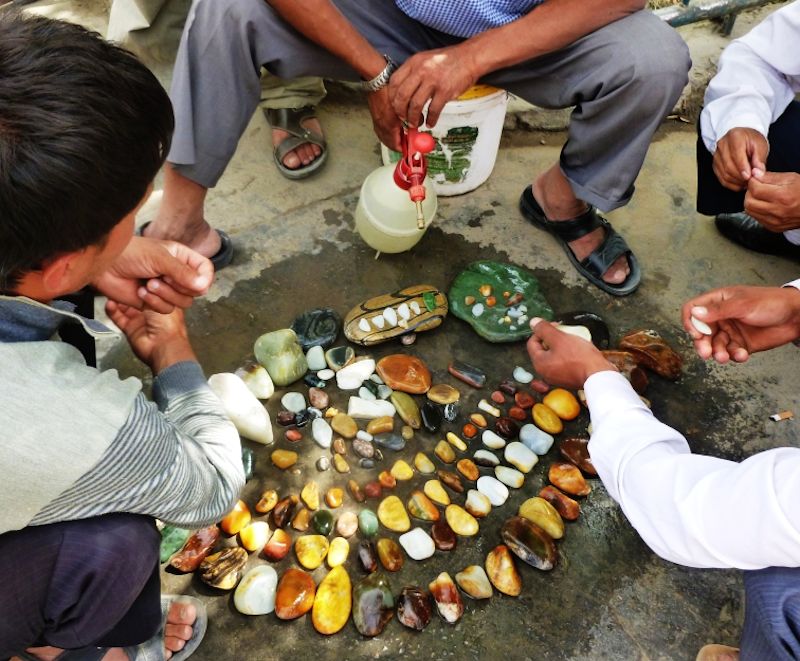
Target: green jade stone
248 462
322 522
429 298
368 523
502 277
281 355
172 541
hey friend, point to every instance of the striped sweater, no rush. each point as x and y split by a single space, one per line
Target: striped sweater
79 442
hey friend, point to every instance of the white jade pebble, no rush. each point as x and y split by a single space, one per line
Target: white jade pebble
418 544
363 324
702 326
245 411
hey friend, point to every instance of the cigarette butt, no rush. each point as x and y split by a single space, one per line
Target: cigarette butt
783 415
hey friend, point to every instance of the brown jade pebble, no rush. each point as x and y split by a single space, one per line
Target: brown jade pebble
404 373
450 480
302 520
529 543
524 399
569 479
355 491
390 554
469 430
372 489
295 594
367 556
517 413
540 386
653 352
508 387
318 398
498 397
282 512
338 445
269 499
414 608
278 545
564 505
195 550
576 451
387 480
285 418
506 427
293 435
444 538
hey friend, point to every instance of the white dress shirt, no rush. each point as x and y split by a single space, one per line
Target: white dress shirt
691 509
757 77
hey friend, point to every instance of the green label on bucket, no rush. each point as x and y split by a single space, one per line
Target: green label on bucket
452 155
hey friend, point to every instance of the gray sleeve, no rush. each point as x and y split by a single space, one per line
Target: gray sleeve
181 464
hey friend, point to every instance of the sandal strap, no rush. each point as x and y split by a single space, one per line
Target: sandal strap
602 257
575 228
290 120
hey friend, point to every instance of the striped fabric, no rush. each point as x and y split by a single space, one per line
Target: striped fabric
183 466
465 18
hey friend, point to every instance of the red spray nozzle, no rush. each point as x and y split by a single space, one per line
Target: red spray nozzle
410 171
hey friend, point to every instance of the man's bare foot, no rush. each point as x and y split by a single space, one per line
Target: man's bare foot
177 632
554 194
304 154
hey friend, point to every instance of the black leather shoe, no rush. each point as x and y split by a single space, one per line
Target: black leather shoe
745 230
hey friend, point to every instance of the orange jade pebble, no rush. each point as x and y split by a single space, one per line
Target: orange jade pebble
404 373
502 572
563 402
295 594
469 430
236 519
278 545
569 479
333 602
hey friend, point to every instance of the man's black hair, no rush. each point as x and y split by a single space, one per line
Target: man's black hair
84 128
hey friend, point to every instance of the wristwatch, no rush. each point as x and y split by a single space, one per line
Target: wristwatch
382 79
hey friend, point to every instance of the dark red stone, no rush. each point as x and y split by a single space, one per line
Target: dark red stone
414 609
293 435
443 536
517 413
285 418
506 427
373 489
498 397
576 451
524 399
451 480
540 386
508 387
282 512
195 550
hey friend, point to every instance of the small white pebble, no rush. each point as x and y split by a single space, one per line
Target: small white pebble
403 311
415 307
363 435
326 374
378 322
702 326
477 310
363 324
390 316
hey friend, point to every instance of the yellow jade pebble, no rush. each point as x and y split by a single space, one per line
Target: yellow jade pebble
423 464
445 452
236 519
310 495
543 514
393 515
435 491
333 602
340 464
311 550
461 521
334 497
380 425
284 458
402 471
546 419
456 442
563 402
338 552
254 536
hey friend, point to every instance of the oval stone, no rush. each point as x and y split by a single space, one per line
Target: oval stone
461 521
469 430
450 480
509 476
432 417
338 552
172 540
447 598
414 608
417 544
547 419
517 413
278 545
421 507
468 469
508 387
283 459
344 425
367 556
338 446
529 543
236 519
450 411
492 440
393 515
285 418
444 537
294 402
477 503
363 448
524 400
467 373
535 439
569 479
368 523
456 442
474 582
501 571
405 373
323 464
563 402
311 550
390 554
521 457
543 514
380 425
333 602
334 497
254 536
373 604
445 452
318 398
391 441
423 464
295 594
347 524
407 409
443 393
339 357
293 435
435 491
479 420
322 522
506 427
255 595
302 520
222 570
402 471
318 327
283 510
485 458
565 506
373 489
340 464
493 489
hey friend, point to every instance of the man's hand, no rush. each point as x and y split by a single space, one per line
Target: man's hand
158 340
155 274
743 320
385 122
738 152
563 359
440 75
773 199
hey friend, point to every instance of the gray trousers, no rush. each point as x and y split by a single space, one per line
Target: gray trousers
622 81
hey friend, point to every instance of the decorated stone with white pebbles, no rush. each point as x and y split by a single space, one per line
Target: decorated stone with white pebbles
520 456
509 476
321 432
492 440
417 544
493 489
535 439
353 375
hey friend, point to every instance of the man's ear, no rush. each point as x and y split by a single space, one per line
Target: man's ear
57 272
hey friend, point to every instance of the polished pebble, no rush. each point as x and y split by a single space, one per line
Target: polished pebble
477 503
311 550
421 507
402 471
278 546
373 489
469 430
236 519
302 520
387 480
417 544
373 604
569 479
340 464
393 515
535 439
294 402
443 393
321 432
520 456
293 435
502 572
485 458
485 406
447 598
254 536
355 491
576 451
344 425
509 476
423 464
405 373
322 522
493 489
461 521
338 552
255 594
390 554
506 427
222 570
456 442
368 523
479 420
444 537
283 459
295 594
414 608
435 491
333 602
568 508
521 375
492 441
474 582
347 524
283 510
563 403
195 549
334 497
407 409
445 452
529 543
367 556
544 515
546 419
380 425
468 469
450 480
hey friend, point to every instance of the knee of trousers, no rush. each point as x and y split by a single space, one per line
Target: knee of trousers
217 12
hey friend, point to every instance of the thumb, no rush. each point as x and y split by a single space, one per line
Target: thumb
731 308
186 269
544 330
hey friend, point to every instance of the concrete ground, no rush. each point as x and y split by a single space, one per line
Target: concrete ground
609 597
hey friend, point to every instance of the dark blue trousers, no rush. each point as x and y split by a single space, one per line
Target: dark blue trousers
784 156
84 583
772 615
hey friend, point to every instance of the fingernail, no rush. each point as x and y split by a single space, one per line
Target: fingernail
699 310
153 284
535 321
142 292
